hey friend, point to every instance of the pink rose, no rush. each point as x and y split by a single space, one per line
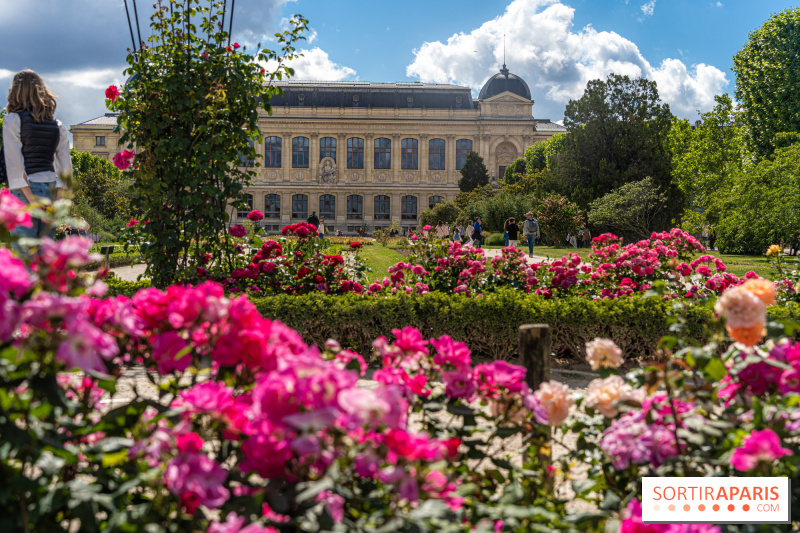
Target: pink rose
556 400
166 348
15 278
112 93
196 480
759 446
12 211
123 159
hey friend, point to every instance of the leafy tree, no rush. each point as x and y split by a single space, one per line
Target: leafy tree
473 173
447 212
761 205
630 210
496 210
514 171
704 159
207 94
558 217
463 199
99 184
526 183
617 134
539 155
768 80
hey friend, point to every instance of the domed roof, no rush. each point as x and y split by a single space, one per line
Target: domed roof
502 82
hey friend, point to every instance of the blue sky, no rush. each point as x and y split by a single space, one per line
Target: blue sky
555 45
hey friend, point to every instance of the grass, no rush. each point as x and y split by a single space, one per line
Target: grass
379 259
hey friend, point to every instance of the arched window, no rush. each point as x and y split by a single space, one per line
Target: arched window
272 206
300 152
355 207
433 200
327 148
463 147
383 153
300 206
245 206
272 152
327 206
409 154
355 152
382 206
244 159
408 207
436 154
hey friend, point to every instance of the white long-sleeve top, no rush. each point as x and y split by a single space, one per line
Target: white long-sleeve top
15 163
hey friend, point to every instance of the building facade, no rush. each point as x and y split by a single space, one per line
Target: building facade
97 136
362 154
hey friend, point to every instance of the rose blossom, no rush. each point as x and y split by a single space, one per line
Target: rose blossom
741 308
12 211
603 353
762 289
237 230
602 394
759 446
556 400
15 278
255 215
112 93
123 159
196 480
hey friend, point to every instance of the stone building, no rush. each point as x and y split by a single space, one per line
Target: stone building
368 154
97 136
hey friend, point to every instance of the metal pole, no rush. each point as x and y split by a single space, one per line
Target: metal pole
138 31
230 23
224 10
130 27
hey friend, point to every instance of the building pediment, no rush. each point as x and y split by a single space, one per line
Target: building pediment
507 97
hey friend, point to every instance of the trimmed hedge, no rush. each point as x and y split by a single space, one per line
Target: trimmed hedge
489 324
118 287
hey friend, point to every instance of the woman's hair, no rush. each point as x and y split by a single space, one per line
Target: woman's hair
29 93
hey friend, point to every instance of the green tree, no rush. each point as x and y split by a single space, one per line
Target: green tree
768 80
617 134
99 184
463 199
191 108
630 210
473 173
558 217
447 212
539 155
496 210
514 171
761 205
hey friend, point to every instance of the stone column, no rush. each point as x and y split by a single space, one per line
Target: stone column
450 159
423 158
369 154
313 156
286 156
396 157
394 208
341 158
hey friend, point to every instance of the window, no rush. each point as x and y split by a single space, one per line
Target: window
272 206
463 147
383 153
100 141
408 154
244 159
355 207
382 206
247 199
355 152
272 152
327 206
300 152
433 200
327 148
408 205
300 206
436 154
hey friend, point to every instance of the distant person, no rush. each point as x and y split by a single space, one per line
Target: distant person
712 239
457 234
36 147
505 232
321 229
512 230
84 227
587 238
314 219
470 229
530 230
441 233
460 229
477 234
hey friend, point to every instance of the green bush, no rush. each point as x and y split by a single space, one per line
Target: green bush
496 239
118 287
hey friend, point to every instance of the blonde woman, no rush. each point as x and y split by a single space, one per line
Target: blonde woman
36 146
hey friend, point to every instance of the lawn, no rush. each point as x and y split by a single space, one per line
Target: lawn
379 259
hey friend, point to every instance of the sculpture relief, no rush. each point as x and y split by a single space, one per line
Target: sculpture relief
409 177
273 175
355 176
437 177
300 176
327 170
382 177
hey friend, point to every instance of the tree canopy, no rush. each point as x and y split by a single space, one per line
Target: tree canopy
767 80
473 173
514 171
629 210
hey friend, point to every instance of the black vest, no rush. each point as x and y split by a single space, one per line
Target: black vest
39 143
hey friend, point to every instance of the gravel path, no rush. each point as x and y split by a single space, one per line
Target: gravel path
129 273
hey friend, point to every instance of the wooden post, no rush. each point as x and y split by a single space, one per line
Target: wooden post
535 344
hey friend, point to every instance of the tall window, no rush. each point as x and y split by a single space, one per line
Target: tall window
243 210
436 154
408 154
272 152
355 152
244 159
382 206
300 206
272 206
433 200
327 148
100 141
355 207
300 152
463 147
327 206
408 207
383 153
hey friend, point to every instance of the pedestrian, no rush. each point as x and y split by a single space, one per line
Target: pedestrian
530 230
505 232
460 229
313 219
457 234
36 147
447 230
587 238
513 232
84 227
712 239
477 234
321 229
440 231
470 229
580 237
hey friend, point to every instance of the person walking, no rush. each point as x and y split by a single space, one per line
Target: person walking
587 238
712 239
477 234
513 232
460 229
321 229
457 234
470 229
36 147
440 231
313 219
530 230
505 232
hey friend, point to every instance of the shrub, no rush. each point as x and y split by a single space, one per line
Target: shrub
494 211
630 210
558 217
447 212
473 173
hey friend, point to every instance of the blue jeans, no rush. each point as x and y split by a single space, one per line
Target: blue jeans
44 190
505 238
531 243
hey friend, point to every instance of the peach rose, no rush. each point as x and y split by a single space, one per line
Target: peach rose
603 353
556 400
763 289
603 394
741 308
749 336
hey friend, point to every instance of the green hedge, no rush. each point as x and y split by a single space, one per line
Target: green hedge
488 324
118 287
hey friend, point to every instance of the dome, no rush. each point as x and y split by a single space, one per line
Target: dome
502 82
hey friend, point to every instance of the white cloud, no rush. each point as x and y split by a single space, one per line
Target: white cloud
316 65
648 8
4 73
557 61
718 4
